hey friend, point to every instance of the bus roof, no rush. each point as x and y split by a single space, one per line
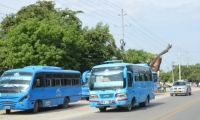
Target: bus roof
41 69
112 61
119 64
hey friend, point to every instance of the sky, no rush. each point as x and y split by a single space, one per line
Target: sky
149 25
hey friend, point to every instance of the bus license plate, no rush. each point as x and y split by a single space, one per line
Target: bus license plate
106 102
6 107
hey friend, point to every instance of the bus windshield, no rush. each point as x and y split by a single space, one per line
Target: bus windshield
15 82
106 78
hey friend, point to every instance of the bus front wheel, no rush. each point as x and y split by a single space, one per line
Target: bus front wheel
35 109
7 111
87 98
102 109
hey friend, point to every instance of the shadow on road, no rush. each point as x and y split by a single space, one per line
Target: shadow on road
47 109
136 108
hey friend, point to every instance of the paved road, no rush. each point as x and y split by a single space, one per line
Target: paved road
81 110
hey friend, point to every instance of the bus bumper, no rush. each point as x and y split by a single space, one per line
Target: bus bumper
108 103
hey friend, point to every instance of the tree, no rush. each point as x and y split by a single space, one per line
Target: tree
41 35
100 46
137 56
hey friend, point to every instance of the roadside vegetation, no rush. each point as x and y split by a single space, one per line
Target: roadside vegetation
40 34
190 73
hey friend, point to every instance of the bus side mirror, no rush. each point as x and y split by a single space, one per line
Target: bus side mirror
84 76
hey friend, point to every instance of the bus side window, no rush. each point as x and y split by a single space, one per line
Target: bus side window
53 81
140 76
48 82
38 81
145 77
136 76
130 80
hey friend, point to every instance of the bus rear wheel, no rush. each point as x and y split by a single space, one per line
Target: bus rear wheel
7 111
65 103
145 103
102 109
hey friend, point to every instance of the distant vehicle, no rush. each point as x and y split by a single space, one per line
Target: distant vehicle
34 87
85 87
180 87
120 85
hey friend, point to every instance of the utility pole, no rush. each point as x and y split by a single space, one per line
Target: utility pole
172 72
122 40
179 65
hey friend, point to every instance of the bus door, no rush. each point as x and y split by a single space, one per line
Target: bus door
137 87
37 91
142 88
130 86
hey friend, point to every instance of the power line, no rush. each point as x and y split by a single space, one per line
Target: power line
113 5
106 9
88 14
8 7
89 10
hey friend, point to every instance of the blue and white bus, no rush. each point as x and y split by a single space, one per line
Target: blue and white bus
85 87
120 85
34 87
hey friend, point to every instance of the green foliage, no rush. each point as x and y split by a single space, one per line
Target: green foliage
137 56
40 34
190 73
100 45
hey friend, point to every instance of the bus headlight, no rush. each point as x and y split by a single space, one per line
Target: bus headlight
25 97
94 96
121 95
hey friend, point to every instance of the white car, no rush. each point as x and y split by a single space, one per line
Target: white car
180 87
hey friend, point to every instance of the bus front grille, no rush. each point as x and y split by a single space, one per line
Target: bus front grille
7 102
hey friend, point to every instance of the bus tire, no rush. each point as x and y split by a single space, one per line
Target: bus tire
35 109
145 103
7 111
102 109
87 98
65 103
129 107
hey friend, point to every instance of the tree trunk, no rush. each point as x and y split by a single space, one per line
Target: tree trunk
158 56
